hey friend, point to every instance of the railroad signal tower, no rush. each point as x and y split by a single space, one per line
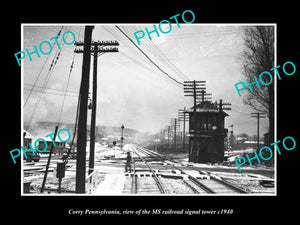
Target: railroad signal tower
206 124
193 89
207 134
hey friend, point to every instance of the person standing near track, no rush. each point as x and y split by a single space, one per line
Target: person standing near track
128 163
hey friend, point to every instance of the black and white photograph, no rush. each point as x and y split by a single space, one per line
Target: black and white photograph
130 113
139 111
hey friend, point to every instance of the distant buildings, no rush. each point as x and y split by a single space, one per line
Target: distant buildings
27 138
59 146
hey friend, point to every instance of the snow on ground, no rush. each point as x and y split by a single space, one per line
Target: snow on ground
102 152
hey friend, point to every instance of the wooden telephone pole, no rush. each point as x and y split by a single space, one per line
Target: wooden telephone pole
204 96
258 115
182 117
82 119
231 136
96 50
174 126
169 137
194 89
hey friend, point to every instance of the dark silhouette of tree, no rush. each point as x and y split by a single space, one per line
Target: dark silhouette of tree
257 57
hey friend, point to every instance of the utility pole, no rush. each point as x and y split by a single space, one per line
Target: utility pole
231 136
182 117
204 96
174 126
96 50
94 107
168 137
193 89
48 162
258 115
83 95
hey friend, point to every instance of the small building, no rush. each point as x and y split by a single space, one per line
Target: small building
206 138
27 138
59 147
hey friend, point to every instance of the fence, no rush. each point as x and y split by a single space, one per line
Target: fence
92 182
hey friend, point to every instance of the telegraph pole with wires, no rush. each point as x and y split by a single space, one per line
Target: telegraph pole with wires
258 115
175 126
182 117
231 136
193 89
82 119
168 137
96 50
204 96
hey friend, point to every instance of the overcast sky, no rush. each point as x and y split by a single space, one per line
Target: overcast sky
131 90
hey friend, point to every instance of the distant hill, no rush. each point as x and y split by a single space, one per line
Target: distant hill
44 128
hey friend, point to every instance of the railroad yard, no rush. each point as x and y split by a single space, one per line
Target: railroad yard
152 174
179 148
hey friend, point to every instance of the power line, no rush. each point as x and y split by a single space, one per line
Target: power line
37 78
52 93
114 33
55 89
148 57
153 50
65 94
204 34
241 113
47 78
137 61
164 57
159 54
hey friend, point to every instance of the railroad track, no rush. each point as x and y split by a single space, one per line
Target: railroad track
150 184
208 184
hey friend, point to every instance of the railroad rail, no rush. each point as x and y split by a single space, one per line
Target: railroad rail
210 184
134 186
